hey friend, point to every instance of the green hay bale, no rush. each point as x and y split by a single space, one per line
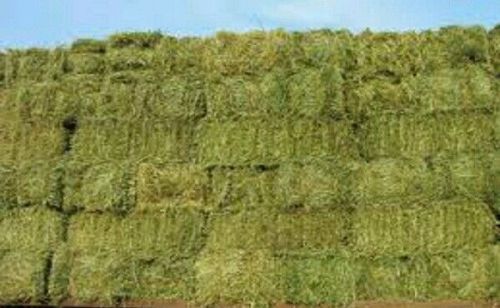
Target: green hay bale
437 227
316 93
320 233
247 230
237 96
174 98
38 157
495 182
427 135
494 39
135 39
310 93
45 100
33 65
324 47
461 89
8 139
234 189
237 276
252 53
461 275
27 238
86 63
180 56
399 180
465 44
178 185
162 142
129 59
139 257
263 142
314 184
319 280
88 46
98 170
472 177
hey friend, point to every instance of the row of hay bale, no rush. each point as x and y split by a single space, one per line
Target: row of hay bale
364 56
308 168
443 250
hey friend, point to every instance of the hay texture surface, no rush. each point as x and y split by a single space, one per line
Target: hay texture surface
312 168
28 238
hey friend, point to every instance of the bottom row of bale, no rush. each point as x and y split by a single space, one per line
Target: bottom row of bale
441 250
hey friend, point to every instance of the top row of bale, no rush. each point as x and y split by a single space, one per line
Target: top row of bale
358 57
333 74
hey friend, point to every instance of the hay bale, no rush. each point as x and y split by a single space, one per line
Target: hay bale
309 93
134 39
315 233
98 170
33 65
461 274
44 100
314 184
464 89
319 233
494 40
27 239
38 156
125 59
316 93
427 135
252 53
233 97
246 230
258 141
161 142
495 182
86 63
234 189
399 180
136 257
472 177
176 185
436 227
8 141
88 46
319 280
237 276
179 97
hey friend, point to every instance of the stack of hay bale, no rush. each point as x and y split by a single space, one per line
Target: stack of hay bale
309 168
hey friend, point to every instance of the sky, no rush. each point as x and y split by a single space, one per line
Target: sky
50 23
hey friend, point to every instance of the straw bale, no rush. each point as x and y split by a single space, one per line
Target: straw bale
389 180
237 276
258 141
435 227
27 238
175 185
134 39
427 135
38 156
136 257
314 184
235 189
460 274
319 280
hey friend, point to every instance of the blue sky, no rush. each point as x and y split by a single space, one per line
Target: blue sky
25 23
